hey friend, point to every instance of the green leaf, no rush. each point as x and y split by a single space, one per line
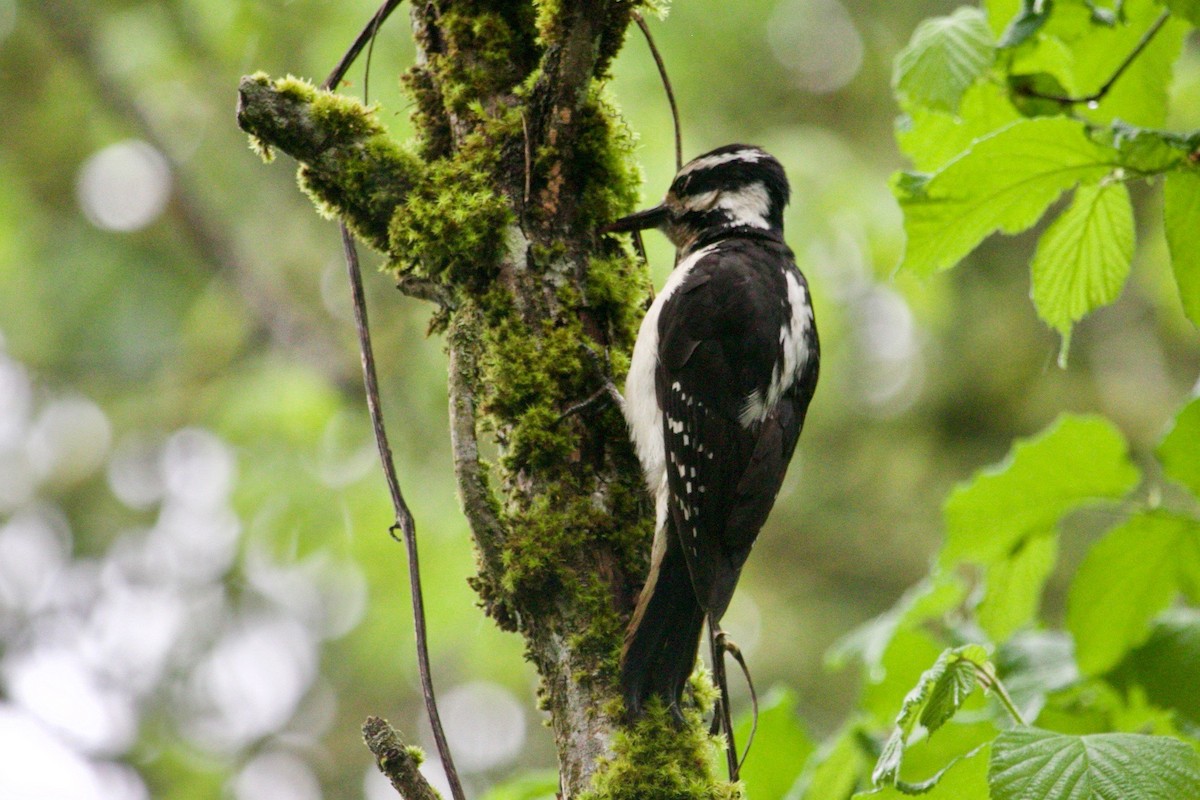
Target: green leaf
933 138
1127 578
906 659
781 746
1140 96
1004 182
945 56
1181 212
1082 53
1077 460
1084 257
1030 763
1014 587
1167 666
1001 13
1187 9
1179 448
939 693
1035 663
533 785
1031 19
962 779
1148 152
835 771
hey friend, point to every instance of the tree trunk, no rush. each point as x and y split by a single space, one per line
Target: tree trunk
520 159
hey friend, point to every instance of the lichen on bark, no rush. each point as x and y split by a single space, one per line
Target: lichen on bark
520 157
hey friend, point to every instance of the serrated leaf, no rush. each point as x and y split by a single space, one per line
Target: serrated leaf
944 57
1179 448
781 746
951 690
1126 579
1014 587
1181 213
1084 257
1004 182
1031 763
1076 461
939 693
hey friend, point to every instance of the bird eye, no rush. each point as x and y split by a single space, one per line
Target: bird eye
701 202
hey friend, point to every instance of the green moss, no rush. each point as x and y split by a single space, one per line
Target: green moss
416 754
435 139
615 289
603 158
451 226
656 759
363 181
487 49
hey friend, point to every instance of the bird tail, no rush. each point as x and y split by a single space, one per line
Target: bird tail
660 645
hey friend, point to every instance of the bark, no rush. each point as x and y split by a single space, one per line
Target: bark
520 159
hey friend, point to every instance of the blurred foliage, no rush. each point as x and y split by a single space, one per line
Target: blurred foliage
198 594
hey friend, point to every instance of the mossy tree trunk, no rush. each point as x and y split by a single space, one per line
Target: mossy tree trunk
493 216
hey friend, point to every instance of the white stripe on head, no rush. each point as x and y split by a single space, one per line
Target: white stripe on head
704 162
748 205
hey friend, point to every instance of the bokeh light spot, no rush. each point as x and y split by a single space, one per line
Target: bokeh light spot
69 441
817 41
485 725
276 776
124 187
39 766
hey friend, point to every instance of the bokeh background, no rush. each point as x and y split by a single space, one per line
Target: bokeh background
198 595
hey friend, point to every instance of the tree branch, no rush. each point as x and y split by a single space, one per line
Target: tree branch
400 763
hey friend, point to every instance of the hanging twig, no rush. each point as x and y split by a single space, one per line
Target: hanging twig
728 646
1099 94
404 518
366 36
662 71
722 717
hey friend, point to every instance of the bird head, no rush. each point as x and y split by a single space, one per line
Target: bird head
737 188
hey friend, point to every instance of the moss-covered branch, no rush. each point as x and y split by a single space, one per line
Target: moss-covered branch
350 166
397 761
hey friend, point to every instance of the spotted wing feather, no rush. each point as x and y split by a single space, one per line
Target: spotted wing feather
719 341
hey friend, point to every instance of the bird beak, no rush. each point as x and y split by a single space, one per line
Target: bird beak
650 218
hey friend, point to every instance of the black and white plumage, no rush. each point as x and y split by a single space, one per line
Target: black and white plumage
723 370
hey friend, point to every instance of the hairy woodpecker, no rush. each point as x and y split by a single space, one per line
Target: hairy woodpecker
723 370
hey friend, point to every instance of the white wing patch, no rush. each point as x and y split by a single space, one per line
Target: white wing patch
793 354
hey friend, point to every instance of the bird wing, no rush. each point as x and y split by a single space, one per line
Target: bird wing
719 336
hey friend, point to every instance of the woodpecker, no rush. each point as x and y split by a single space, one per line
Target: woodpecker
723 369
